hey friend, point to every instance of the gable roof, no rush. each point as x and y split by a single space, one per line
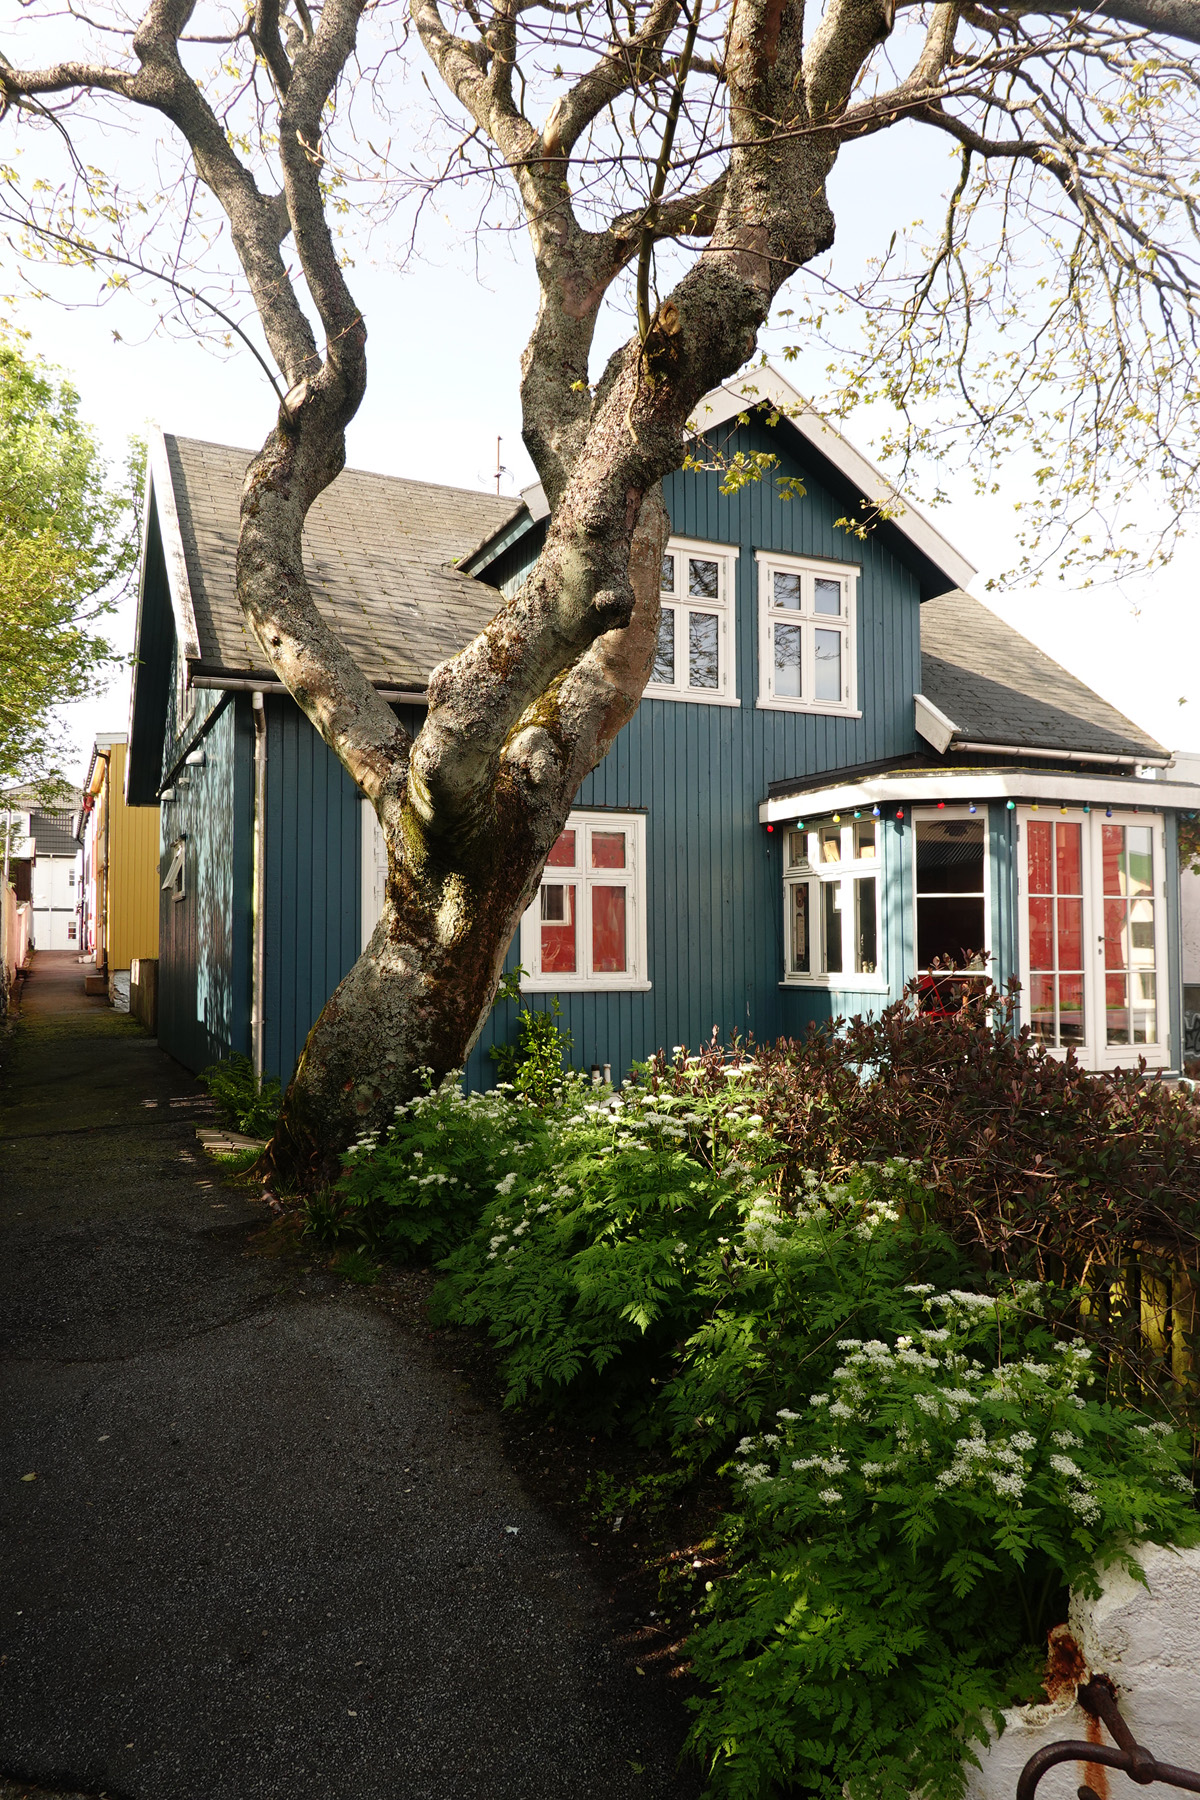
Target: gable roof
52 833
767 387
378 553
936 562
997 690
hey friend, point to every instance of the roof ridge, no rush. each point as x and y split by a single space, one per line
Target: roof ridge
513 501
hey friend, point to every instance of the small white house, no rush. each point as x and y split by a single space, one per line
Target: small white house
44 868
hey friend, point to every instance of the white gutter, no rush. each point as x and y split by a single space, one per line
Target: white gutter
1071 756
917 788
242 684
259 882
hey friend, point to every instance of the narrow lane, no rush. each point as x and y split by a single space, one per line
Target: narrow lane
271 1547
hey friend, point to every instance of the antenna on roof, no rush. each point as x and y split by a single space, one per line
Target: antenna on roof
500 469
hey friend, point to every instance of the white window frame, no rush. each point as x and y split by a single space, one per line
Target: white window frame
1096 1053
808 620
816 875
946 814
633 878
723 608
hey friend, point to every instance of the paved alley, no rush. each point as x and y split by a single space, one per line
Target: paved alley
271 1546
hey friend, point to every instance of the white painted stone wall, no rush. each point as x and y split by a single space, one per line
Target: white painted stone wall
1148 1642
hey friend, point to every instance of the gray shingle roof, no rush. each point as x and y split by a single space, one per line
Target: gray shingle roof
998 688
51 832
377 550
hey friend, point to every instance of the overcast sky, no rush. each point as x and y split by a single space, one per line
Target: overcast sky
445 339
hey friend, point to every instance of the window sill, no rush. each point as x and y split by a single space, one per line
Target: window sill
689 697
535 986
836 984
807 706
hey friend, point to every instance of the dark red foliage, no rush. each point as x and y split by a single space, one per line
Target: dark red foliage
1034 1165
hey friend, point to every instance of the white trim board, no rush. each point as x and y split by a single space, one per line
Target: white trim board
162 490
768 386
917 789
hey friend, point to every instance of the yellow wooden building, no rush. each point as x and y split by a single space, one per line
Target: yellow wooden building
120 869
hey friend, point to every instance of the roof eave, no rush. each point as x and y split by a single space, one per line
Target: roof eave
767 387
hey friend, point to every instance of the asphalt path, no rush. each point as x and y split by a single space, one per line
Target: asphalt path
260 1542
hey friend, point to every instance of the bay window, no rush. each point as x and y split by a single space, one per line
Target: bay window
833 928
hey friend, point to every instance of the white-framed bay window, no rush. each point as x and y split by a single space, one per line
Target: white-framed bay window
833 924
587 927
807 638
694 656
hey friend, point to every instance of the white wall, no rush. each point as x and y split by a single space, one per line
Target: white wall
55 903
1147 1640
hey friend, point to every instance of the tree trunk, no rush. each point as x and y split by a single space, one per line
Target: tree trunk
416 999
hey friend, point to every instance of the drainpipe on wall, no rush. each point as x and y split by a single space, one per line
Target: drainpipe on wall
260 848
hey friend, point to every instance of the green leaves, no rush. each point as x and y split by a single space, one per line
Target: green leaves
924 1462
910 1532
67 540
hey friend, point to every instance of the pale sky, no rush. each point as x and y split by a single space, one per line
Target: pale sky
445 339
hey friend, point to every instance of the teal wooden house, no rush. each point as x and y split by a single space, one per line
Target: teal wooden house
845 773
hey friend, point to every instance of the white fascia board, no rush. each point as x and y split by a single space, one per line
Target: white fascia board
161 492
933 725
768 386
917 789
536 502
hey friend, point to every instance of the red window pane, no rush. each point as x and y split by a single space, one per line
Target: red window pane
1113 841
1041 1007
1070 934
1114 934
1070 1009
1116 1000
1041 864
558 929
608 930
563 854
608 849
1041 932
1068 847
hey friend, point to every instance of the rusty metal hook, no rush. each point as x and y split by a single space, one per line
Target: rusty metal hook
1099 1698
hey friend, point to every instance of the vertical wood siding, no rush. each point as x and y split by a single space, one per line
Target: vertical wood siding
714 890
313 880
204 939
132 871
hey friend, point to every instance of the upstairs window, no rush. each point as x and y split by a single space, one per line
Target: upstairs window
693 658
587 927
807 644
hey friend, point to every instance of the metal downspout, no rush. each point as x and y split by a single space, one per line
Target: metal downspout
259 857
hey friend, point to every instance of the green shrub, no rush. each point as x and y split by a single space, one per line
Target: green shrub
1035 1167
243 1102
534 1067
416 1191
902 1535
925 1461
